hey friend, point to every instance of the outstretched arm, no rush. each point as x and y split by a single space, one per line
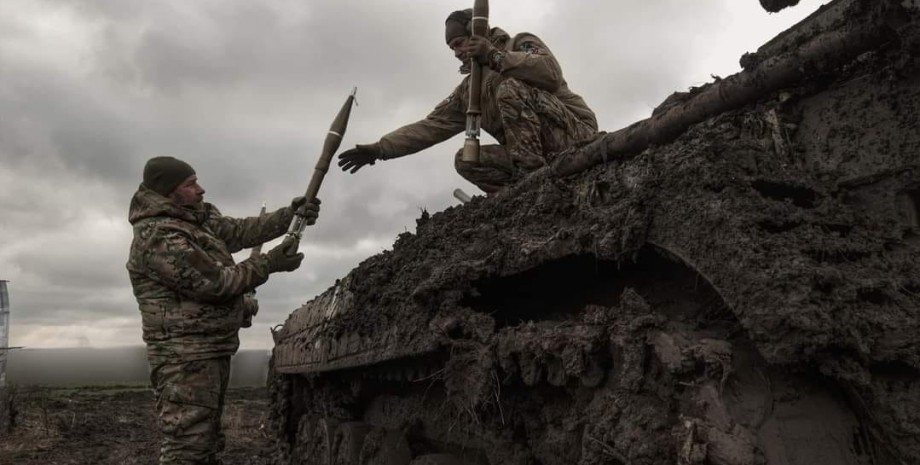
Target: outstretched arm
446 120
173 259
241 233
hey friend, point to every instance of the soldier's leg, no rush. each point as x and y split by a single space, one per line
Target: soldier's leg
494 170
537 125
224 367
189 406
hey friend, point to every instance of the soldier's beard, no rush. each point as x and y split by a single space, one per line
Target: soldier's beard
465 67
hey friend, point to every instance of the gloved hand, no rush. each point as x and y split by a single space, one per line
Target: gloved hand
284 257
354 159
308 210
479 48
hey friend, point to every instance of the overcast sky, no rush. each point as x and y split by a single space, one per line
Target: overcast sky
245 91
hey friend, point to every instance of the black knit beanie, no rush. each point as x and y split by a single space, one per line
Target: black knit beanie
458 24
164 174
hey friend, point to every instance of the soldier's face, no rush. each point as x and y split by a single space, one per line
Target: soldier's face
188 193
458 45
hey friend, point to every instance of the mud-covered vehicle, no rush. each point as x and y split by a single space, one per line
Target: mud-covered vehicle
735 280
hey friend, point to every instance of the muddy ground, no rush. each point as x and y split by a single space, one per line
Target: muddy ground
117 425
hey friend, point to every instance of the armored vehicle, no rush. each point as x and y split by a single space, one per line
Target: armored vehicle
735 280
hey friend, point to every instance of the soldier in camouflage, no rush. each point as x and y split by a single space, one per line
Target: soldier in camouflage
191 297
526 106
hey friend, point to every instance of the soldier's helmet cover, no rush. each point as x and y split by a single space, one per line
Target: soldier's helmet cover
458 24
164 174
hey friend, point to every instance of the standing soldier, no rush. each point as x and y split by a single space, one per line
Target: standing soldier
191 297
526 106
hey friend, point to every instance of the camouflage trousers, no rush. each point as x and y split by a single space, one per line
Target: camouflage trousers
537 125
189 403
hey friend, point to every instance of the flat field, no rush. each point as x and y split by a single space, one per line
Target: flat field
117 425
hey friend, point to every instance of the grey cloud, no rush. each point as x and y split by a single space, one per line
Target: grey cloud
49 117
243 44
635 55
64 307
60 266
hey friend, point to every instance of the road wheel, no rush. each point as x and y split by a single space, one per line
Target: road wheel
385 447
314 444
349 437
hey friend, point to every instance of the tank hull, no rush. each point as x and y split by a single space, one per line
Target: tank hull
747 293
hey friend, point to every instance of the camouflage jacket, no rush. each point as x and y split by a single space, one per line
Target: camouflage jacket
527 59
187 285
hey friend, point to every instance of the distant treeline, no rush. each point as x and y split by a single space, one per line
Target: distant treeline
122 365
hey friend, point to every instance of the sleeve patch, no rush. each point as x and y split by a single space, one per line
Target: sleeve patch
529 47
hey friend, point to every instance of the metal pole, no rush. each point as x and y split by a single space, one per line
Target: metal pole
4 330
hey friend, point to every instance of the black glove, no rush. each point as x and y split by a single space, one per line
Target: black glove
354 159
284 257
479 48
308 210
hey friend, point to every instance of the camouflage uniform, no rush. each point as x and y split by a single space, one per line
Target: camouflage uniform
526 106
190 403
191 297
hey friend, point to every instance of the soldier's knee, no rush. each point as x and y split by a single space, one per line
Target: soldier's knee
512 91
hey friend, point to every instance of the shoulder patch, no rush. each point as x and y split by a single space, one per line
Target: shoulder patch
529 47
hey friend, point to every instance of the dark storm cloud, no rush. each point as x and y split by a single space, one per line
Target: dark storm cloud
245 92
